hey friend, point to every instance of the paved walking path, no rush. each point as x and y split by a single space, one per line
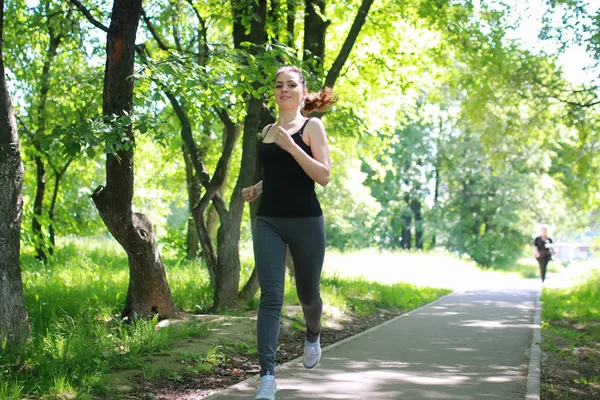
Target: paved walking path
469 345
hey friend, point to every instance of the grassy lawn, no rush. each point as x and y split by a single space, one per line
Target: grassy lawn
78 339
571 335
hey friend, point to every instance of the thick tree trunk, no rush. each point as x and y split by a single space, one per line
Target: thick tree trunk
148 291
14 322
228 270
315 25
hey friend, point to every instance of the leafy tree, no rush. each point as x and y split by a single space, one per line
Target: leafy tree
14 324
148 291
54 101
400 188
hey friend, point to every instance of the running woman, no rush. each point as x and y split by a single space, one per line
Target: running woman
294 153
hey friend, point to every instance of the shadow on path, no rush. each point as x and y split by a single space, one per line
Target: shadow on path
470 345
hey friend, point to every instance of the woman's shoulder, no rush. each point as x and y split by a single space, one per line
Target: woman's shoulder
315 126
266 129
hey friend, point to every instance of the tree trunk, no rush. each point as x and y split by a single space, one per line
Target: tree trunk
273 19
228 271
36 222
406 234
436 195
38 205
212 218
209 253
193 189
228 237
14 322
251 286
315 25
436 190
291 22
57 178
148 291
406 242
416 208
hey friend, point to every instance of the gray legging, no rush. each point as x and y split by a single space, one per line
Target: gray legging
306 238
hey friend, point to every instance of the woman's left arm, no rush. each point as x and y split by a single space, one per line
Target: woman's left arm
317 166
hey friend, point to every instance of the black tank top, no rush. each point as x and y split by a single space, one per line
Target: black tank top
287 191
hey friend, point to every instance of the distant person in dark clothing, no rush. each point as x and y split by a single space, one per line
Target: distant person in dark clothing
544 248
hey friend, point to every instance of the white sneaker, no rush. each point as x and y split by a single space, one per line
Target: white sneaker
267 388
312 353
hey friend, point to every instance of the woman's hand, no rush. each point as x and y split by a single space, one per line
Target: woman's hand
284 140
250 193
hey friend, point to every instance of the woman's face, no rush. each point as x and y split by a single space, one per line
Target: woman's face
289 91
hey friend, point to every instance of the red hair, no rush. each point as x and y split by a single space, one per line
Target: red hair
313 102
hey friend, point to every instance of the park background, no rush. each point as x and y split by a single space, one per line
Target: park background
461 127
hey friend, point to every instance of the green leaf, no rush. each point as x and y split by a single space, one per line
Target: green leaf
91 153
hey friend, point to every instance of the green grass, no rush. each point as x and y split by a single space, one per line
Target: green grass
571 331
77 336
365 297
578 304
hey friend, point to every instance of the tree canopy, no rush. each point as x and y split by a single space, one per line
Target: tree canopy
447 133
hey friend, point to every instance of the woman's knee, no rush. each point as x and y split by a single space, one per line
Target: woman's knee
271 298
312 302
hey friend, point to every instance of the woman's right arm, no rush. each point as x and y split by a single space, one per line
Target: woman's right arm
251 193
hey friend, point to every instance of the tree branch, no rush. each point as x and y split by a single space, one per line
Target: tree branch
89 16
359 21
153 32
230 138
554 92
202 36
25 127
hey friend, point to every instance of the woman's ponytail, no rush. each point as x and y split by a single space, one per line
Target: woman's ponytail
319 102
